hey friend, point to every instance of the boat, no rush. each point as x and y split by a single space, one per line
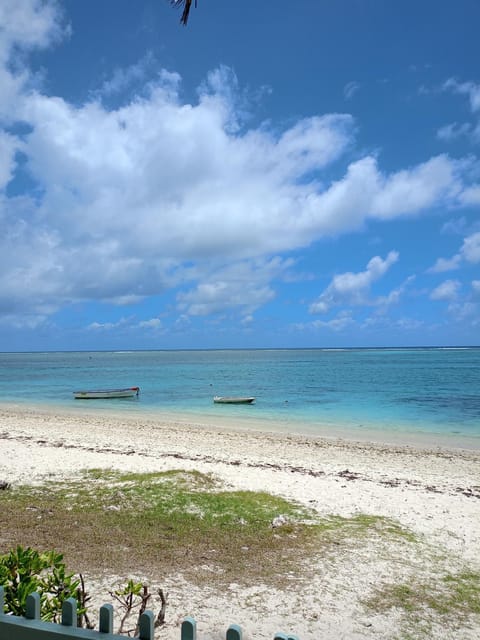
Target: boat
233 400
127 392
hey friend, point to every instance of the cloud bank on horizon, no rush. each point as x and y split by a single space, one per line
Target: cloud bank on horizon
137 218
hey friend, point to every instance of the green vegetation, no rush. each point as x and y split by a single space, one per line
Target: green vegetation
453 597
23 571
179 521
186 523
363 525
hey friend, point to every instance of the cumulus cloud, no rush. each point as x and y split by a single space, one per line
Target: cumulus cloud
469 252
455 130
342 321
158 193
153 323
9 145
456 226
241 286
447 290
25 26
476 289
471 196
133 75
412 190
470 89
353 288
445 264
28 24
394 296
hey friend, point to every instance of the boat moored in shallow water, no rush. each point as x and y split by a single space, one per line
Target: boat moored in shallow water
100 394
233 400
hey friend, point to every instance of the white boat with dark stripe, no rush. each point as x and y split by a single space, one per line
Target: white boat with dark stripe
233 399
102 394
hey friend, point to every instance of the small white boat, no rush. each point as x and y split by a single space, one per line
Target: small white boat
128 392
233 400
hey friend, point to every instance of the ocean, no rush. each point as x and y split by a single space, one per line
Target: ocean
418 391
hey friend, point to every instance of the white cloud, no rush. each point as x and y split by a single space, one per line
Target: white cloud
241 286
124 78
394 297
350 89
471 248
471 196
453 131
445 264
153 323
9 145
353 288
25 25
476 289
448 290
469 89
158 193
455 225
29 24
412 190
468 310
109 326
472 91
469 252
341 322
99 326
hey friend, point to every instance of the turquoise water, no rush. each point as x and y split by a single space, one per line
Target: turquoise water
411 390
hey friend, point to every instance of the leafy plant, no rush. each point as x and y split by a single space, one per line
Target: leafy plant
133 598
25 570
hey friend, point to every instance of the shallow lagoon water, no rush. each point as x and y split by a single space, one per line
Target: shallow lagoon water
423 391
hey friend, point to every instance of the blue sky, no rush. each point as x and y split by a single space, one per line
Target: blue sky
275 174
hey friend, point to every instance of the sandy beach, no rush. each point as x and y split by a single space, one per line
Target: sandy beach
432 492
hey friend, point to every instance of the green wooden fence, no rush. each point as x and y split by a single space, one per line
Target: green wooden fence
31 627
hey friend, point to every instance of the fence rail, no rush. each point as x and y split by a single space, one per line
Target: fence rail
31 627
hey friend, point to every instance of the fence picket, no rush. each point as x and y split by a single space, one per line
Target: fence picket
234 632
31 627
32 608
105 623
189 629
69 612
146 625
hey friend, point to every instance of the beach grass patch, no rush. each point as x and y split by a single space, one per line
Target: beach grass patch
176 521
364 525
451 598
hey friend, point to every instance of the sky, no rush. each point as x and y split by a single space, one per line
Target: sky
273 175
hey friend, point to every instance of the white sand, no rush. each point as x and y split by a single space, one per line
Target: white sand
432 492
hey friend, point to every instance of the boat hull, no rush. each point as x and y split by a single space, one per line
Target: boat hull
104 394
233 400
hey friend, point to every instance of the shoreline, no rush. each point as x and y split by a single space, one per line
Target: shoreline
331 431
432 492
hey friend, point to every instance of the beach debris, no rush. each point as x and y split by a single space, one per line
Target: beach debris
432 488
349 475
392 482
279 521
469 492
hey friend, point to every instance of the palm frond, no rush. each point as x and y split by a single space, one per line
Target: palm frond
187 5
